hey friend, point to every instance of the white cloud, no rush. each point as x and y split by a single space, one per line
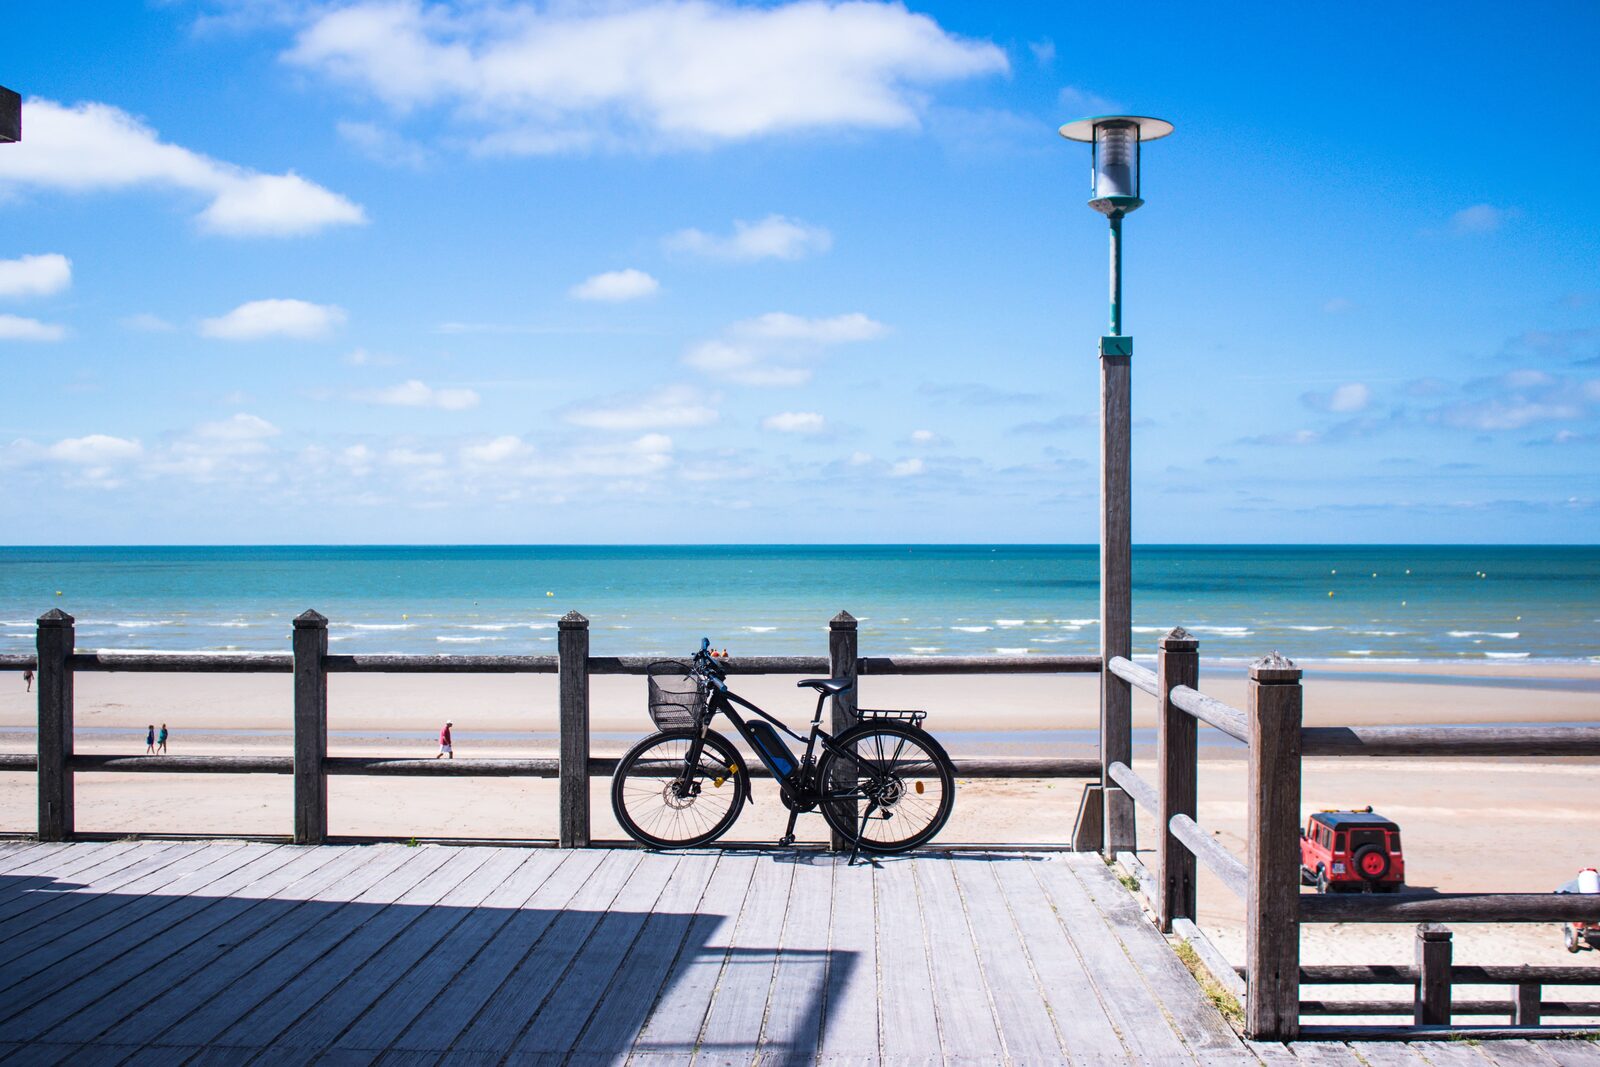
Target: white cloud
615 286
95 450
860 459
240 427
1080 103
295 319
906 468
495 451
781 326
801 422
927 438
94 147
144 322
657 74
774 237
1480 218
412 457
1044 51
383 145
17 328
416 394
669 408
1352 396
35 275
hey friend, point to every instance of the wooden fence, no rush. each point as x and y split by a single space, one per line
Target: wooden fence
58 661
1268 879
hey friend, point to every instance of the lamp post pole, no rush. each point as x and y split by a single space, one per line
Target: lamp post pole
1115 191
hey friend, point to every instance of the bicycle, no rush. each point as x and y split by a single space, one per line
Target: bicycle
884 784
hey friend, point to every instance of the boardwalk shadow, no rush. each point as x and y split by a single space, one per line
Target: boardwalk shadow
226 976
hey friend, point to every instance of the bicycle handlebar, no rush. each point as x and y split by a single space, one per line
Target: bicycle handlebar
705 664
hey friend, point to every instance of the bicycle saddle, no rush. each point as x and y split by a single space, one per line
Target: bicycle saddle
826 685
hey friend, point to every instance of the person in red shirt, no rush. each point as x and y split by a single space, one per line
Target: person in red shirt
444 742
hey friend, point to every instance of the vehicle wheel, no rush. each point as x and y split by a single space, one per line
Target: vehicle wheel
886 786
663 802
1307 878
1323 885
1370 862
1569 934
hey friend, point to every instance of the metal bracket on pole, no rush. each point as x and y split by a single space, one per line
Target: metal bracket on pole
1116 345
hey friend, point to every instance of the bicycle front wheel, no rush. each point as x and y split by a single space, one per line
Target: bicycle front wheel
886 787
665 801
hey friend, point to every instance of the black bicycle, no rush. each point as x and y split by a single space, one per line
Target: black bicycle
884 784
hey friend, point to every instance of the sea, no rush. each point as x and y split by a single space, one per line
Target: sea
1364 603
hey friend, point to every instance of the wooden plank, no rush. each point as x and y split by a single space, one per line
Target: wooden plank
620 1016
1135 787
387 1017
20 853
850 1004
296 937
1434 741
361 984
1138 677
1029 1030
1272 1053
1451 1054
1325 1054
967 1028
1272 905
1387 1054
906 1020
501 1019
673 1025
792 1032
179 977
1573 1052
572 644
54 892
1449 907
1201 1026
1069 992
346 950
1517 1054
576 996
460 999
98 990
1114 981
1213 712
733 1023
101 763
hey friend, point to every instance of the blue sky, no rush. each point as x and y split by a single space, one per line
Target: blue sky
697 272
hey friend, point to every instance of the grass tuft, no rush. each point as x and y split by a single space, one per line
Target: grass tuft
1225 1002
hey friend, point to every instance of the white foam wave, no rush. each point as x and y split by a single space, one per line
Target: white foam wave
377 625
1310 629
1379 633
237 624
1507 655
1010 622
466 640
924 650
1358 652
1012 651
760 629
1150 629
1082 622
141 624
1485 633
1222 631
973 629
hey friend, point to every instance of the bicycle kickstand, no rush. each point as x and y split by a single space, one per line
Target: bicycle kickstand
788 835
861 832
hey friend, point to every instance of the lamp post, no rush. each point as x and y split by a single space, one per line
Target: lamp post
1114 192
10 116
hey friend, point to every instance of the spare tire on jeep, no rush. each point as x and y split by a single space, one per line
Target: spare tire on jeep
1371 862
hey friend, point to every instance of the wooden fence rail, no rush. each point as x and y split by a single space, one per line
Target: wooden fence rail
310 663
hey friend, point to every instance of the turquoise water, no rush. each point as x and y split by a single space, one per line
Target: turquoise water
1427 603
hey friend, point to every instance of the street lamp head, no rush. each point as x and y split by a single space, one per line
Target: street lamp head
10 116
1114 182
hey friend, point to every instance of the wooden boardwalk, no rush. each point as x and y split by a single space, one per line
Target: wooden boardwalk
234 952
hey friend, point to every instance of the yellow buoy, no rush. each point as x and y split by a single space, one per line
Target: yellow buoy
548 593
1330 592
405 616
58 592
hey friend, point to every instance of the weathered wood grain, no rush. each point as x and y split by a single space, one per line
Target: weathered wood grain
310 729
850 1016
54 689
1218 860
1177 755
572 641
963 999
1428 741
1272 904
733 1022
1134 786
906 1019
1450 907
1213 712
791 1034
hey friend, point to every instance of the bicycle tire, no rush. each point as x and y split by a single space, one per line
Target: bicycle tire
644 785
912 761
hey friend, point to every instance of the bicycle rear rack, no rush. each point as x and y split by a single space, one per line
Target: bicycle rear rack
910 718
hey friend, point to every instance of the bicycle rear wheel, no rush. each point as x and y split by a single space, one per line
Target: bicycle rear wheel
663 801
886 787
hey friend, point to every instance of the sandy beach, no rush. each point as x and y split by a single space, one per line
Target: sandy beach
1488 825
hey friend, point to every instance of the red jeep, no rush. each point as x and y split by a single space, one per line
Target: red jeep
1351 851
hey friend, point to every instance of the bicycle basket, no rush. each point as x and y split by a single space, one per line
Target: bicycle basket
677 698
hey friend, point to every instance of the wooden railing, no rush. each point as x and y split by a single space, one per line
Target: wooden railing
58 661
1268 880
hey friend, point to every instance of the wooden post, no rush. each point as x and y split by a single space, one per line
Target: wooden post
1525 1009
310 729
1116 585
1433 975
1272 906
573 649
1088 832
843 660
1177 663
56 638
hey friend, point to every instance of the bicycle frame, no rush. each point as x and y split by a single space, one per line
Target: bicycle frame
794 784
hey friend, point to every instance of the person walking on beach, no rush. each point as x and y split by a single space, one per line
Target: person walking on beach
161 741
150 741
27 680
444 742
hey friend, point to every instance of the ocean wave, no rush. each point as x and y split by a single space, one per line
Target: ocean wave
1008 623
1151 629
140 624
760 629
1379 633
236 624
1358 652
1310 629
377 625
1012 651
466 640
1507 655
1222 631
1512 636
497 627
29 623
928 650
1049 640
1082 622
973 629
